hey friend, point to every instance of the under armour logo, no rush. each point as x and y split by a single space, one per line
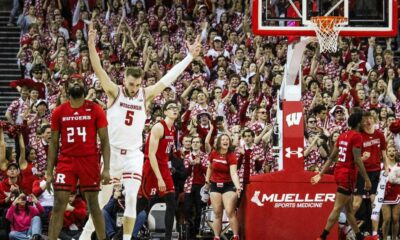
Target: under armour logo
294 119
289 152
255 199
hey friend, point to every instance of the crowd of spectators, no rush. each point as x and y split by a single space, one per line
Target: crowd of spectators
233 87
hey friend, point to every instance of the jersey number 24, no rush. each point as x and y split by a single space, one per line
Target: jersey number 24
79 131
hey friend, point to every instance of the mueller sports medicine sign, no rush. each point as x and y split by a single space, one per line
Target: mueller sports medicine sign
292 200
284 205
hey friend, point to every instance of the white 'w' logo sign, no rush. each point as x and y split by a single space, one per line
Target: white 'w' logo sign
294 119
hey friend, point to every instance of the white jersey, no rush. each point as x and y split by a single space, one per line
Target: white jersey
126 119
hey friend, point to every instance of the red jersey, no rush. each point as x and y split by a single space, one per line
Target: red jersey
345 144
78 128
220 165
165 146
373 143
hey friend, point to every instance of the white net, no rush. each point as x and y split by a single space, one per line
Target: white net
327 29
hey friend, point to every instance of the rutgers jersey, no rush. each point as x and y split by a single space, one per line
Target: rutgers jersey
345 144
165 145
78 128
373 143
127 116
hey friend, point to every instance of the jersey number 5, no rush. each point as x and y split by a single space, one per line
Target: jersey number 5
129 118
80 131
342 154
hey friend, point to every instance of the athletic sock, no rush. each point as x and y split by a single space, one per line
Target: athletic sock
374 233
126 237
324 234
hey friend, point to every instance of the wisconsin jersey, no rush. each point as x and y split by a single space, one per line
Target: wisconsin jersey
373 143
127 116
345 144
78 128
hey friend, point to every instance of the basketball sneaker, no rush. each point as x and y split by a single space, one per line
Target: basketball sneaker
235 237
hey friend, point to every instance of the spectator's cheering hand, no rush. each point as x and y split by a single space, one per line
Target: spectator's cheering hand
194 48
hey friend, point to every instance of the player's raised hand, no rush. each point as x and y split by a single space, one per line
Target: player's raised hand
92 34
315 179
195 48
105 177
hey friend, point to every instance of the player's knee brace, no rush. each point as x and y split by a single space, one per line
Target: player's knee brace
131 190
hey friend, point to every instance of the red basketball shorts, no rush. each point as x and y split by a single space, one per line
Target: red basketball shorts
149 185
71 170
345 178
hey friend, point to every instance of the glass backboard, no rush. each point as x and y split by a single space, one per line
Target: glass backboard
292 17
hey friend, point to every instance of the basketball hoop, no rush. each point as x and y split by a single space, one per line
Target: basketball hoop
327 29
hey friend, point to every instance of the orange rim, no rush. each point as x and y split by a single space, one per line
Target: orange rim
328 22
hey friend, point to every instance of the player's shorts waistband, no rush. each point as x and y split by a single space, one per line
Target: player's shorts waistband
124 151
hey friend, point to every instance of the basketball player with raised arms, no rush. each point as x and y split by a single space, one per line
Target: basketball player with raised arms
126 111
157 178
347 151
75 126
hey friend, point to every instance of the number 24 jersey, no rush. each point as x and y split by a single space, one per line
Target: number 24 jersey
78 128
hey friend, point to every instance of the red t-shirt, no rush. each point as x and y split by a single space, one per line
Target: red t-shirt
220 165
28 178
78 128
373 143
345 144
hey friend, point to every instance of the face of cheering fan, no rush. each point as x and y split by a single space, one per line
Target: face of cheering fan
225 142
391 152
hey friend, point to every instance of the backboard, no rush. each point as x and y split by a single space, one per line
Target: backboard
292 17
